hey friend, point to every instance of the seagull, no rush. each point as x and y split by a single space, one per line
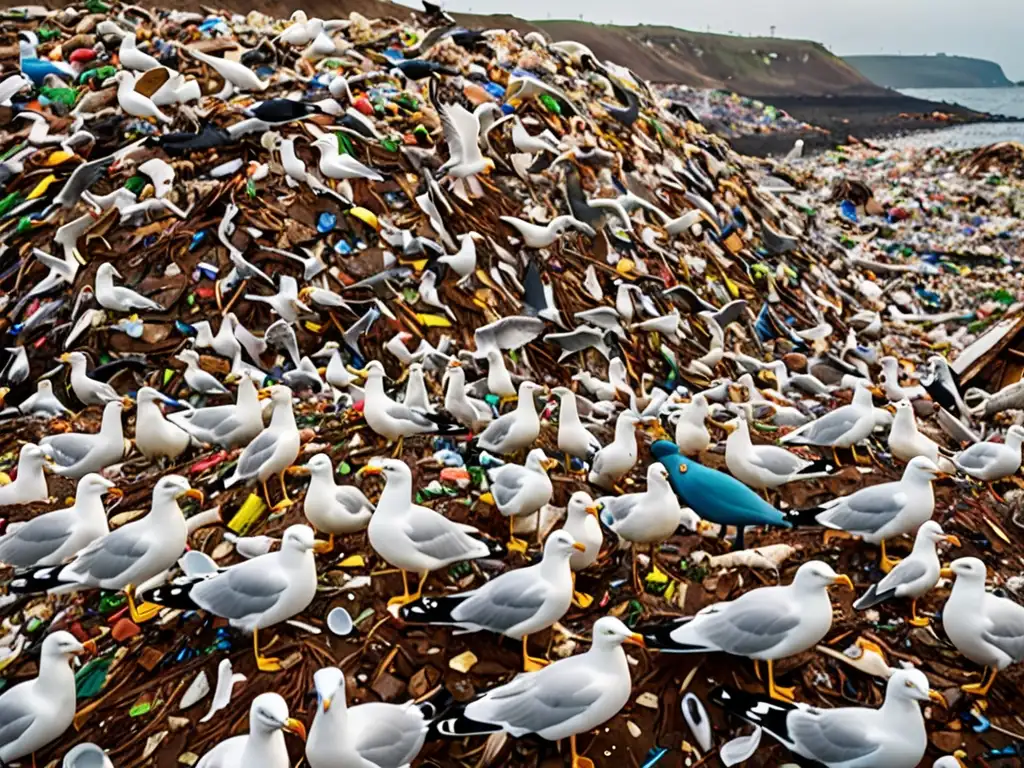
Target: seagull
264 744
692 434
53 537
411 537
197 379
542 236
463 262
335 165
235 75
38 711
229 426
985 628
285 303
842 428
915 576
520 490
516 604
254 594
75 454
29 484
766 467
893 736
573 438
615 460
462 134
991 461
880 512
131 57
134 103
568 697
517 429
155 436
765 624
336 510
224 343
117 298
391 420
273 450
471 413
130 555
906 441
370 735
88 390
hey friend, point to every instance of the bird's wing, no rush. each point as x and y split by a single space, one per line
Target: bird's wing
907 572
243 590
618 508
37 538
402 412
776 460
438 537
867 510
467 125
385 734
15 716
456 151
747 627
68 450
505 485
829 428
978 456
256 454
83 177
832 736
534 702
508 333
506 601
110 556
497 430
1005 628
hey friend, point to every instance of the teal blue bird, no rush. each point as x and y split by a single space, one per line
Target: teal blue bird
714 495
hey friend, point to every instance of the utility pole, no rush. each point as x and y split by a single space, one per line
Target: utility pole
772 28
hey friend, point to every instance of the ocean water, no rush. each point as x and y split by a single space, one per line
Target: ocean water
1008 102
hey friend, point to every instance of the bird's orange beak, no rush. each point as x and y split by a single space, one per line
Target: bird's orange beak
579 547
297 727
844 580
953 540
636 639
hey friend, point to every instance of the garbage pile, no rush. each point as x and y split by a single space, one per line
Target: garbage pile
305 313
731 115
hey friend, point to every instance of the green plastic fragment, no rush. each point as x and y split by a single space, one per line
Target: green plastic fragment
344 468
136 184
13 151
344 145
24 224
250 188
390 145
550 103
140 709
96 6
89 679
168 375
9 202
65 96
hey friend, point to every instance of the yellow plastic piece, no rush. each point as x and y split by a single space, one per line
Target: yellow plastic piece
433 321
58 157
248 514
313 327
365 216
353 561
5 479
41 187
487 498
625 266
656 576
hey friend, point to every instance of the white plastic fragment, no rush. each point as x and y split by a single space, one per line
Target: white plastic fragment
225 686
740 749
697 718
196 692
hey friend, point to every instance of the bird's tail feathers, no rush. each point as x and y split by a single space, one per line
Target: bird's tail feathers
873 597
818 468
176 594
804 517
757 709
431 610
454 724
659 637
34 581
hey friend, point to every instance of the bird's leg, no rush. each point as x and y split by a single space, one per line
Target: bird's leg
405 596
887 563
757 669
140 613
871 455
834 534
767 498
580 599
916 620
322 546
578 761
992 490
775 691
514 544
538 526
636 577
987 678
532 663
263 663
835 457
398 448
285 502
266 493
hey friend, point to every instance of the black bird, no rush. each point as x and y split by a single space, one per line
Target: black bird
418 69
628 115
275 111
435 13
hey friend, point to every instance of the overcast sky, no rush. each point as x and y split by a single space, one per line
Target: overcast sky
990 29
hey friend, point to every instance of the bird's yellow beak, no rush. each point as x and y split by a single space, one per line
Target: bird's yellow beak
66 357
704 526
938 698
369 469
326 704
728 426
952 540
127 402
115 494
89 647
939 474
844 580
592 510
946 573
263 394
549 464
579 547
296 727
300 469
636 639
454 363
192 493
